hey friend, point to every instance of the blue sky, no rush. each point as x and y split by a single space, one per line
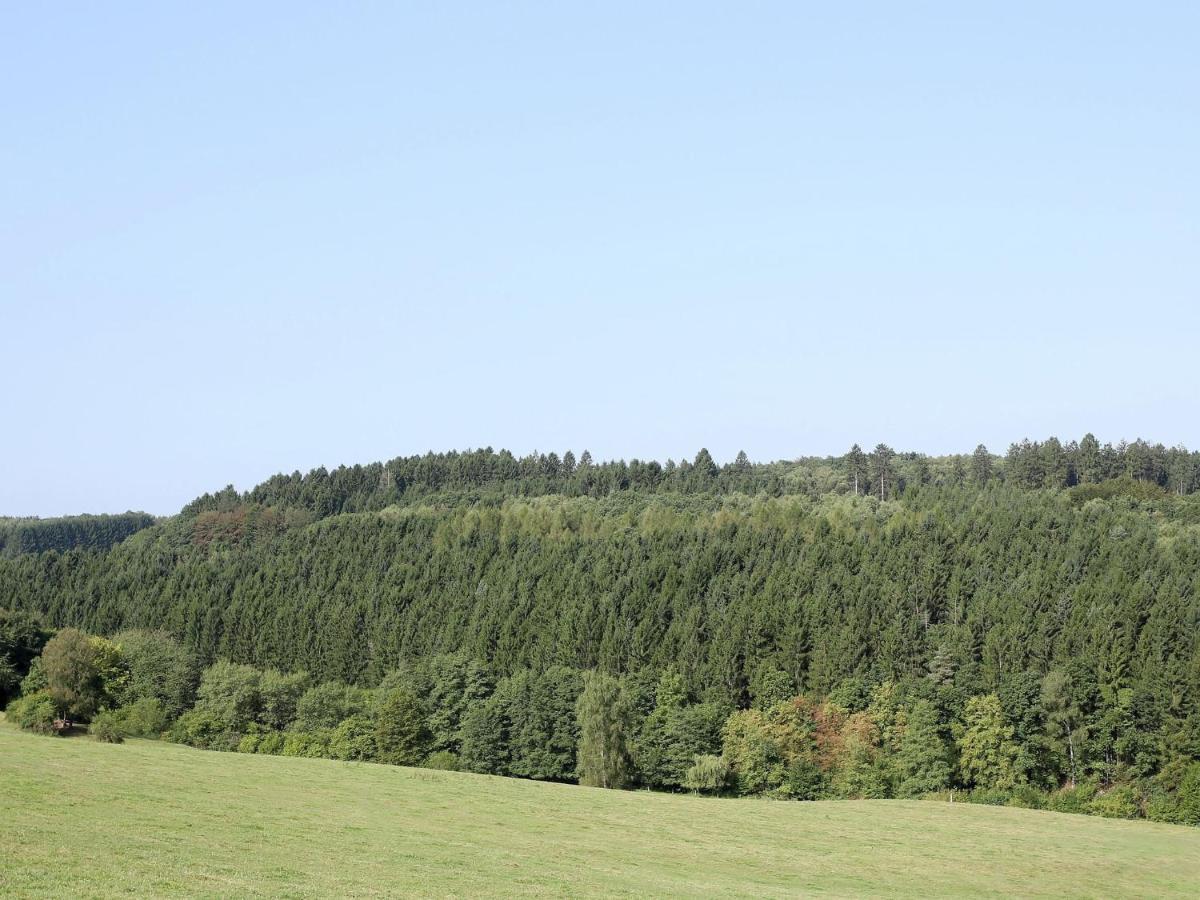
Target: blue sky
237 239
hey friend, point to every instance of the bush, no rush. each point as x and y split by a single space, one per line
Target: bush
1119 802
145 718
708 774
249 743
1177 795
35 712
270 744
443 760
988 797
1073 799
1026 796
106 728
353 739
328 704
310 744
205 729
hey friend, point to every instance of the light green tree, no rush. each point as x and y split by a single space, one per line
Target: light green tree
604 718
987 752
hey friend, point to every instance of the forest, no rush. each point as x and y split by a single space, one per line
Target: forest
1017 629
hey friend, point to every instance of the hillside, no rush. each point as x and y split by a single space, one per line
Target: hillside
154 818
884 624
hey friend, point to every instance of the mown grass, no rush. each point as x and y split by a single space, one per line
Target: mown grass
153 819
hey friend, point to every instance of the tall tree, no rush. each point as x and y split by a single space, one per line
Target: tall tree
883 472
1065 726
987 751
856 467
604 718
981 465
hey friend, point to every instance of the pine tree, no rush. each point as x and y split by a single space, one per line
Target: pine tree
981 465
856 467
923 755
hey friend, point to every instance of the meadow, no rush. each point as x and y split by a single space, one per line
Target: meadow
151 818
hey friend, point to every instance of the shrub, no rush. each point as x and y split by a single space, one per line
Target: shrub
443 760
1177 795
106 728
708 774
35 712
310 744
279 693
1026 796
988 796
249 743
1119 802
205 729
328 704
145 718
270 744
1072 799
353 739
35 679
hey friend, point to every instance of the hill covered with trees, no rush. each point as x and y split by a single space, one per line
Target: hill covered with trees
30 535
879 624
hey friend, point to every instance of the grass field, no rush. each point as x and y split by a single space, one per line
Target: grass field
152 819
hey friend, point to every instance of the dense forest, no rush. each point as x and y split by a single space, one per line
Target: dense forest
29 535
1021 627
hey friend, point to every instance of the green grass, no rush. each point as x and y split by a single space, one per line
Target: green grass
153 819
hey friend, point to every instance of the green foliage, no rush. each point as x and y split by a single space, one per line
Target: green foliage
22 638
353 739
1176 794
327 704
34 712
1119 802
1073 799
442 760
144 718
205 728
271 743
708 774
159 668
309 744
63 534
279 693
107 728
923 761
77 667
674 734
604 716
987 752
402 734
230 694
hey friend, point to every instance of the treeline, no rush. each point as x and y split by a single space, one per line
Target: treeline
470 474
69 532
1039 742
939 580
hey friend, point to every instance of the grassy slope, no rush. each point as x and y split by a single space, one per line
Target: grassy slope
88 819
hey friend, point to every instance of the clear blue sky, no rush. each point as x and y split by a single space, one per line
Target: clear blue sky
241 238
